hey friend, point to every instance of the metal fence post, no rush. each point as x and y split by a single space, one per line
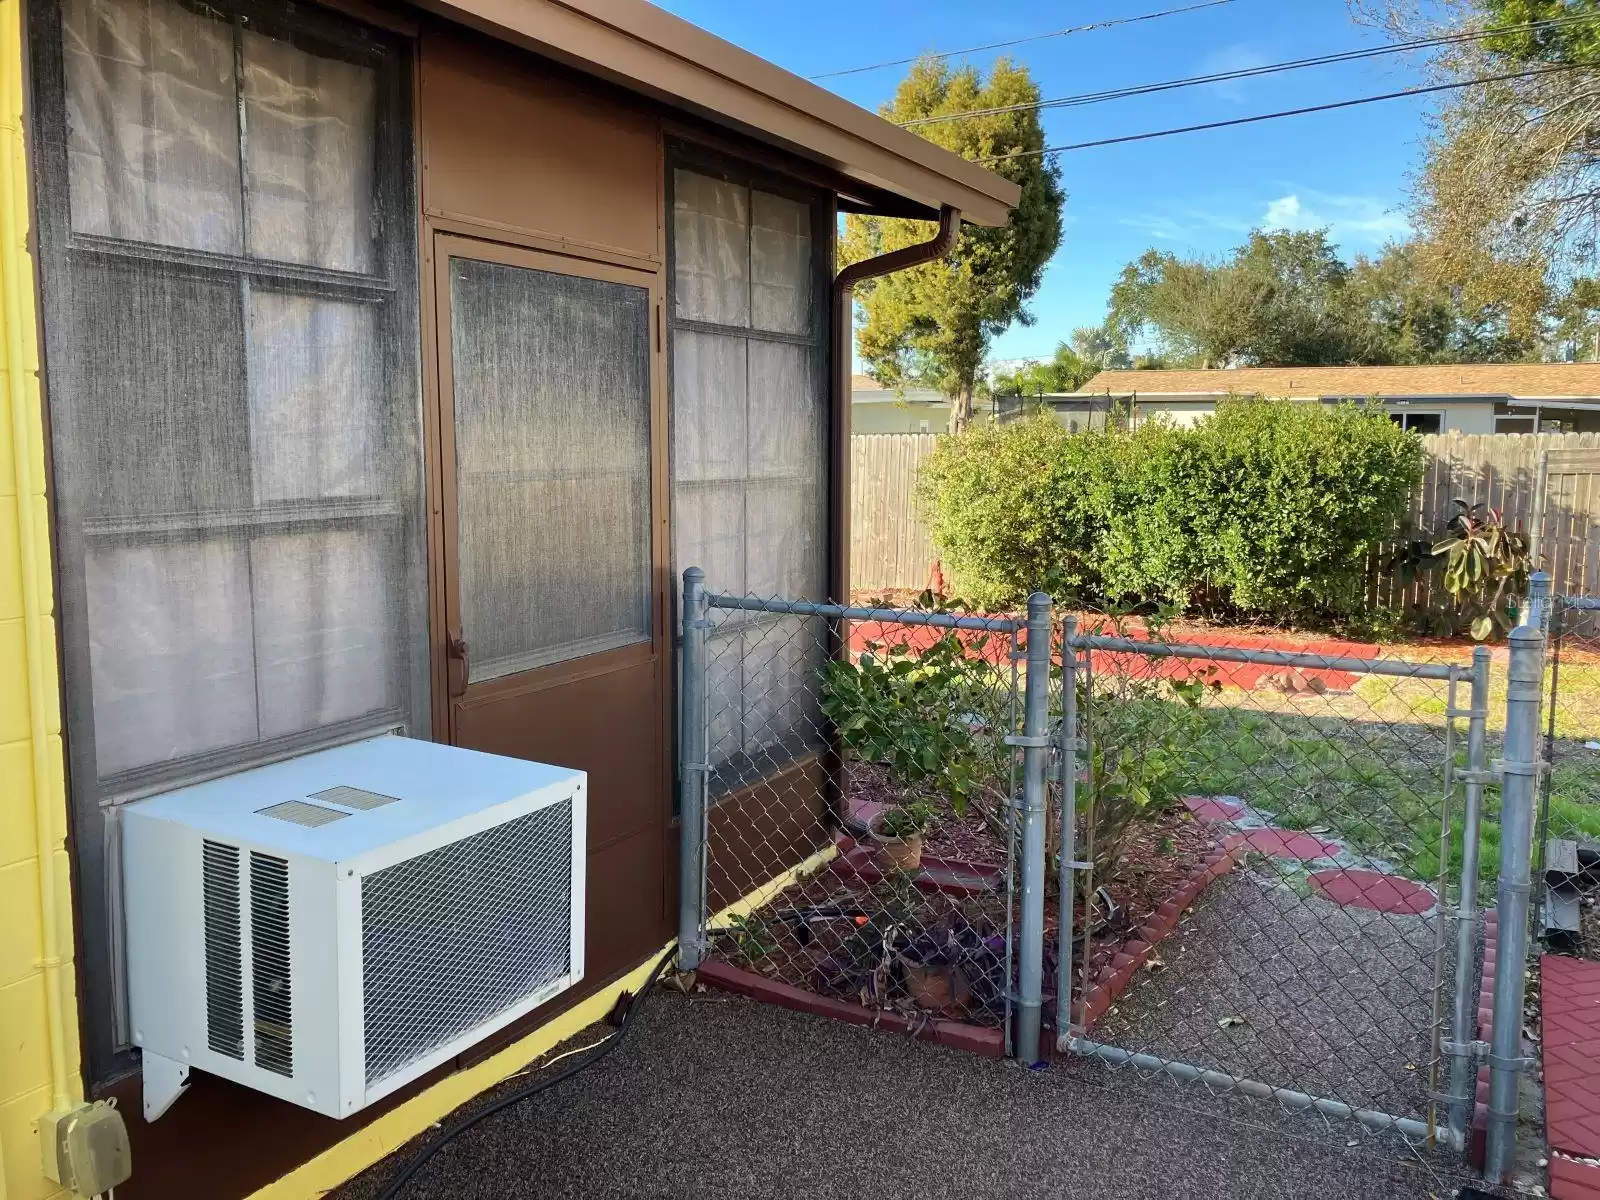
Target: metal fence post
692 772
1464 1009
1035 743
1066 874
1536 608
1518 773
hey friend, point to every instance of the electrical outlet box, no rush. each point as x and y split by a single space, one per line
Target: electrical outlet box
86 1149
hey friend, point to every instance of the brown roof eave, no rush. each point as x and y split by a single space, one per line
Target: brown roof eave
635 45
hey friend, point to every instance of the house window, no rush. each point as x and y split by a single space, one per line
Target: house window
228 262
1419 422
749 443
1515 424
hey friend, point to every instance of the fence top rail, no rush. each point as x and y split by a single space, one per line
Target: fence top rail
845 612
1273 658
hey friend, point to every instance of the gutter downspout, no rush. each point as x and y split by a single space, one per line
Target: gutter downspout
16 295
842 344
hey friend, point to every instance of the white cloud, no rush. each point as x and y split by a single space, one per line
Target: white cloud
1353 220
1238 57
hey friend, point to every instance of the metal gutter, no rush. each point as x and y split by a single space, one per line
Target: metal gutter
937 247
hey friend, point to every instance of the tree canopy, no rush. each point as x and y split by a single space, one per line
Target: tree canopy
1288 299
932 325
1507 204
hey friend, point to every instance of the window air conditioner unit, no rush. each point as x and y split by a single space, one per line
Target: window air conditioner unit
329 928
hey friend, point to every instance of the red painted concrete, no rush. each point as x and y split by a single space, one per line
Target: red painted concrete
1570 1005
1212 808
1284 843
995 647
988 1042
1368 889
1573 1180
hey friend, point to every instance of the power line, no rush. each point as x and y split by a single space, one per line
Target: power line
1037 37
1289 112
1147 89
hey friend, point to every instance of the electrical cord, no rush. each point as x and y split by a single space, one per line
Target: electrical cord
533 1088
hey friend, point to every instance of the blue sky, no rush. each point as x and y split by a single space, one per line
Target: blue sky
1197 193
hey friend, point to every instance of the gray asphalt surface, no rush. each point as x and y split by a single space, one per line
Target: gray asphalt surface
717 1096
1270 982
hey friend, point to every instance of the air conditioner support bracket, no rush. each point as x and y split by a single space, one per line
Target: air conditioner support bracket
164 1082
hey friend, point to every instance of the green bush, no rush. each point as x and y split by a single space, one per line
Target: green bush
1010 510
1269 506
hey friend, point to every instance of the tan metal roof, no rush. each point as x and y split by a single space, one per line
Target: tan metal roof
1523 380
640 47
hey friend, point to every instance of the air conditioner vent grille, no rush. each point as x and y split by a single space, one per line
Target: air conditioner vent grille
462 933
269 963
219 881
353 797
298 812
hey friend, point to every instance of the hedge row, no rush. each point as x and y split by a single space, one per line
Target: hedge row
1268 506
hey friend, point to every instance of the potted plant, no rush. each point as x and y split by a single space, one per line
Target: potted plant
899 833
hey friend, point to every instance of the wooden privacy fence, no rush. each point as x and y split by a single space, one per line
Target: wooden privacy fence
890 547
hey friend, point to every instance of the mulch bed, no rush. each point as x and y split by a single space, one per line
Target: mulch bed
921 953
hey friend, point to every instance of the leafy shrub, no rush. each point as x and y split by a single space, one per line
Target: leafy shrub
1142 751
1486 567
1010 507
1270 505
933 719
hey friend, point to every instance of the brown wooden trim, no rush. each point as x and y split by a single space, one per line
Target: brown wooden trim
496 231
542 679
635 45
729 144
444 247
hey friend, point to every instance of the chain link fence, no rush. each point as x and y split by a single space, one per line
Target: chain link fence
1269 849
853 771
1248 869
1568 837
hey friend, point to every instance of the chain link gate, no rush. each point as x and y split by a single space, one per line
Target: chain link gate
1323 952
1269 884
1567 841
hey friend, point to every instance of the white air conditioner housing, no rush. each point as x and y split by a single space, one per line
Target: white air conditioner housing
328 928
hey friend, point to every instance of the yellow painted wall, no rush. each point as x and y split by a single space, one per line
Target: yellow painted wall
38 1062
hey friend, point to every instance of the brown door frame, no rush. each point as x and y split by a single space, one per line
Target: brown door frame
451 692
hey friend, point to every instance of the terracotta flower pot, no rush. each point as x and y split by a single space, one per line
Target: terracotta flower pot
936 988
896 853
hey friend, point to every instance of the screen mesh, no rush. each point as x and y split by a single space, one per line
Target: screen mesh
454 936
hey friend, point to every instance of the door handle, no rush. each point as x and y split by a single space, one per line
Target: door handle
455 648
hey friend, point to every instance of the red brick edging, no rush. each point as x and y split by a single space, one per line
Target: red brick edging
1109 984
976 1038
1114 979
1477 1136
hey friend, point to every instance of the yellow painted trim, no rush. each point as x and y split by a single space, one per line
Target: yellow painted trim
27 436
395 1128
758 898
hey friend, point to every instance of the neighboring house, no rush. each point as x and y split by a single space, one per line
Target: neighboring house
877 409
376 369
1468 398
1074 410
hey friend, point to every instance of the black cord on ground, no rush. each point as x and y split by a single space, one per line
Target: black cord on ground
457 1128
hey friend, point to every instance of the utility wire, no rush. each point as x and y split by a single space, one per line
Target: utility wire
1147 89
1037 37
1273 116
